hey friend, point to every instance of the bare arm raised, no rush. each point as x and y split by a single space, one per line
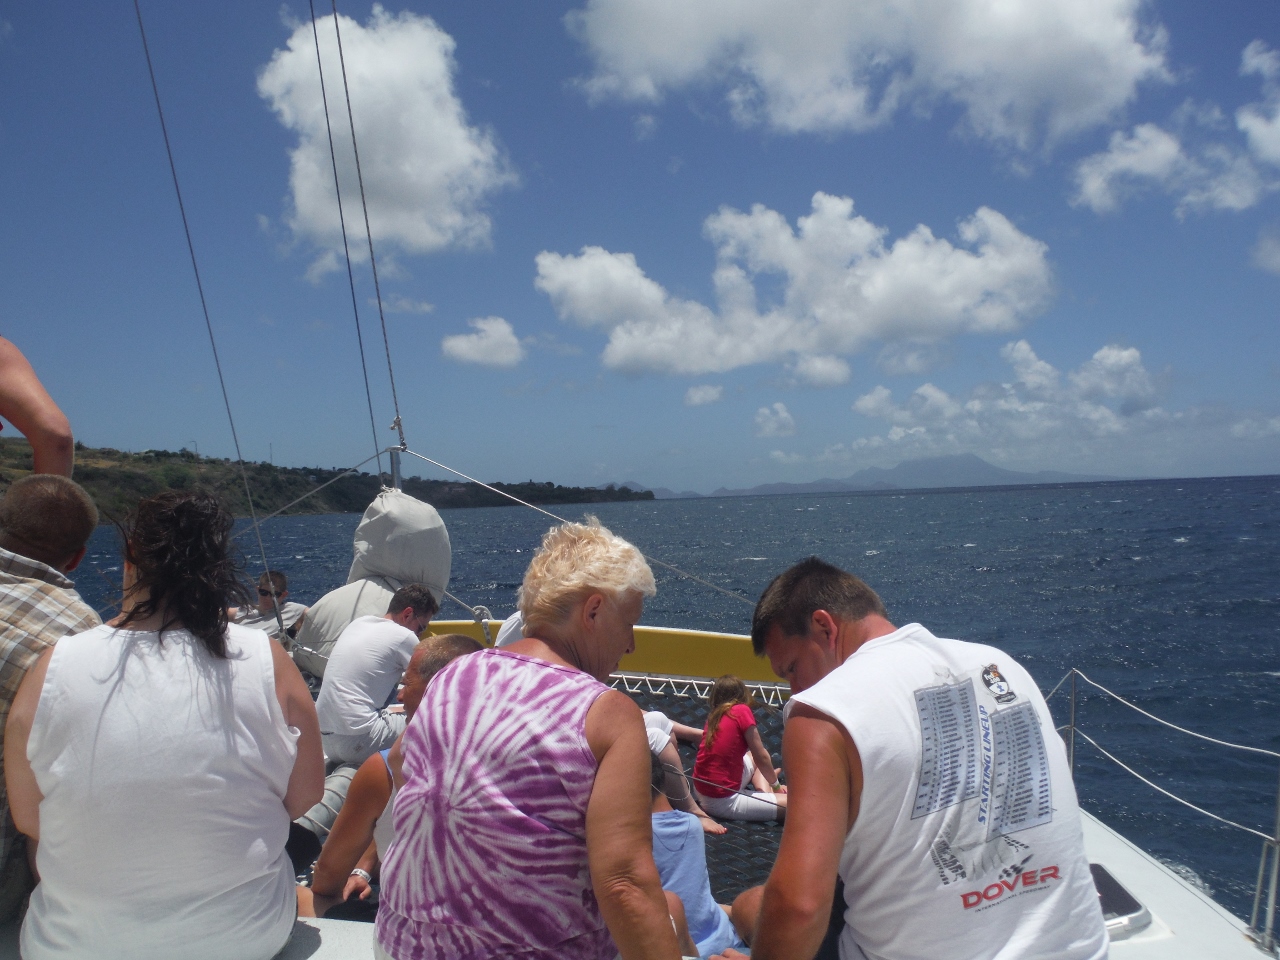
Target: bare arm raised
26 404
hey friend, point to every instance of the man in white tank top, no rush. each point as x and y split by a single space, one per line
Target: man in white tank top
925 774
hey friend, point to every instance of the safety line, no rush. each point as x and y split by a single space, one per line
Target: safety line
1049 696
1174 726
1172 796
342 222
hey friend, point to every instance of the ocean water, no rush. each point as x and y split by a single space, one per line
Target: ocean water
1165 592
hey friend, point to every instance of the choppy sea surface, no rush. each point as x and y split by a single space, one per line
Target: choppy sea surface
1166 592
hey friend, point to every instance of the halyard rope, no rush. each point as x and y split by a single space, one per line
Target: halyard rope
342 222
396 425
204 306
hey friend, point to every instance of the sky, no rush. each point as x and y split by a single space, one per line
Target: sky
685 245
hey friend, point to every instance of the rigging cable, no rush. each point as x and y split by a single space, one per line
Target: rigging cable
309 493
204 306
502 493
351 280
397 424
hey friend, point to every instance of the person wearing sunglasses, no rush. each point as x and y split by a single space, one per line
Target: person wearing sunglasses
273 591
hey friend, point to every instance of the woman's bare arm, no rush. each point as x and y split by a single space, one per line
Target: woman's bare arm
764 763
306 782
357 886
353 829
20 779
619 833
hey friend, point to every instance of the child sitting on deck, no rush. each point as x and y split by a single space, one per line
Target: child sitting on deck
733 755
680 852
663 733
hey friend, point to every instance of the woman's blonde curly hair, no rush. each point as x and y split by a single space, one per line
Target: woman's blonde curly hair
574 561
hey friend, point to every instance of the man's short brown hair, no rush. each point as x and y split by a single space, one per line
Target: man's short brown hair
47 517
439 652
790 601
417 596
279 582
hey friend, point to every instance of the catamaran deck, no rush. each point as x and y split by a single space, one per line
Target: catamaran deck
1184 922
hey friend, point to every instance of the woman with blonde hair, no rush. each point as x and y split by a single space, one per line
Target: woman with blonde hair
731 756
522 828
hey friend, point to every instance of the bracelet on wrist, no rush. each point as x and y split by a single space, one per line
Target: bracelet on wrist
363 874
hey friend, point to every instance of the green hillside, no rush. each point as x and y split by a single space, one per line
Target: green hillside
117 480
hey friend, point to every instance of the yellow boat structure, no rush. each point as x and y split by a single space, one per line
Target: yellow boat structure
666 651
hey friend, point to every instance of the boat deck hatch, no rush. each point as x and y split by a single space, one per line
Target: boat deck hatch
1123 914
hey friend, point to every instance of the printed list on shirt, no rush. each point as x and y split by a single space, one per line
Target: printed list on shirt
968 752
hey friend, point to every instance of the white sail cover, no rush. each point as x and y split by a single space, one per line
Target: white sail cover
399 540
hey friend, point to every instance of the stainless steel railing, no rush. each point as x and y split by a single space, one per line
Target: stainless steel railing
768 694
1268 883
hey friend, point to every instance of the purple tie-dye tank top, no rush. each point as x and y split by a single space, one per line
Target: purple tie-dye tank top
490 855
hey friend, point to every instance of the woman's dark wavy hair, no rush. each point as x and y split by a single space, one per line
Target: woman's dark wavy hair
180 544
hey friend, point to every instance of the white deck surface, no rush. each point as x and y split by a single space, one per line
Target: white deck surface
330 940
1186 924
312 940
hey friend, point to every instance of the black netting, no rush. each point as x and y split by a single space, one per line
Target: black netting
744 856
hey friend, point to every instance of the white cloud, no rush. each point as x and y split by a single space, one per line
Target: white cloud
398 303
775 421
778 456
702 395
1251 429
1111 395
1148 152
1260 122
427 171
1196 164
1021 71
494 344
646 125
843 288
1266 252
1215 176
1115 373
907 357
821 371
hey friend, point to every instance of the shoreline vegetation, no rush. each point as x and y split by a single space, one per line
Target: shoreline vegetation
117 480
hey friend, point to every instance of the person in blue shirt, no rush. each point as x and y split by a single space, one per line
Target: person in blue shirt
681 856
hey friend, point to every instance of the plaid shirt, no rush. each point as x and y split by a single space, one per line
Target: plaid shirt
38 606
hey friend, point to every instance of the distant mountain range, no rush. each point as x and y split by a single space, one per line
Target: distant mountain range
960 470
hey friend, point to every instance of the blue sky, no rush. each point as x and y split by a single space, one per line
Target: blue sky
689 245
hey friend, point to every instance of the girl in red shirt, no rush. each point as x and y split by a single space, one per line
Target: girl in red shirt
731 756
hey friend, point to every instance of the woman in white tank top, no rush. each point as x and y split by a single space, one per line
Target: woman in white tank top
159 761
